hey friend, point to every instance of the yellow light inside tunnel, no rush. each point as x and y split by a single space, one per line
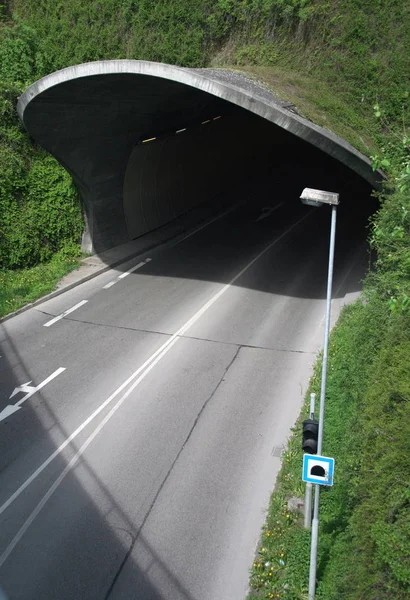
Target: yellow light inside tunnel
204 122
149 140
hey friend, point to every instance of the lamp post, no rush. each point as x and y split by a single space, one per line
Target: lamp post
319 198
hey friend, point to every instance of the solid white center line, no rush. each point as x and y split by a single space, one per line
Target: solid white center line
30 390
142 372
65 313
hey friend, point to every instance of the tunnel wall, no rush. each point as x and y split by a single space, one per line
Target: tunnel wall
171 176
168 177
94 117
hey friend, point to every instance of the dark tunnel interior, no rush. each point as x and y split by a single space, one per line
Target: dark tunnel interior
144 150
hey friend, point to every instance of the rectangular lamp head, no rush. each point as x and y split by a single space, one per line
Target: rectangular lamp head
319 197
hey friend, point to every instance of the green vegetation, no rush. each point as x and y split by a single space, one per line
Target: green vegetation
21 286
73 31
316 101
360 48
345 66
40 212
364 549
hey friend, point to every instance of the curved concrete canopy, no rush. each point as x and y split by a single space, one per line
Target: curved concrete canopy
96 118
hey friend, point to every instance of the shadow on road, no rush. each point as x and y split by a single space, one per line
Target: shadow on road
79 541
59 556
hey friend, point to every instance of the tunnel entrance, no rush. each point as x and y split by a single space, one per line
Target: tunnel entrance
218 159
147 142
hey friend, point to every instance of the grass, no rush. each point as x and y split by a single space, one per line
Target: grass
364 543
20 287
319 103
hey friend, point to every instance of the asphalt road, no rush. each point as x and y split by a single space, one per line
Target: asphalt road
142 467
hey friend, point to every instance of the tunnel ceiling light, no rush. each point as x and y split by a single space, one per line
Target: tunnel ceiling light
216 118
148 140
317 198
204 122
180 130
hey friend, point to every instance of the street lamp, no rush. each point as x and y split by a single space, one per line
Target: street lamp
319 198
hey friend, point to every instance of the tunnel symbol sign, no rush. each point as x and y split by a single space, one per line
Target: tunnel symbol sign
318 469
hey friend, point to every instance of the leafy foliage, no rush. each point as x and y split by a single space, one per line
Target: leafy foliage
390 237
364 549
45 220
74 31
40 211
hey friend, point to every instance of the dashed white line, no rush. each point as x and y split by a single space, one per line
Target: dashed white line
175 243
123 275
138 266
136 378
65 313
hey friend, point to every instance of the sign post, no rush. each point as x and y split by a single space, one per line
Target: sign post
318 198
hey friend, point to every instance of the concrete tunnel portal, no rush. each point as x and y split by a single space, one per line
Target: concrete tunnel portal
146 143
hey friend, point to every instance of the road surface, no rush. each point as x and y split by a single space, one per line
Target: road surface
141 430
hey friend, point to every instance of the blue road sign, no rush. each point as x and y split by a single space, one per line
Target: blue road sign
318 469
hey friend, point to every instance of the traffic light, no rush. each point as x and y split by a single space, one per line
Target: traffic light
310 435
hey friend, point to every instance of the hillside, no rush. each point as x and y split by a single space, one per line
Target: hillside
345 66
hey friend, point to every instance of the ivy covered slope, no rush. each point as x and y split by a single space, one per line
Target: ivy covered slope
40 213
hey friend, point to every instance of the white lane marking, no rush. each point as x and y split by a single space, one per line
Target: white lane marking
75 458
267 211
143 370
12 408
24 387
138 266
65 313
178 241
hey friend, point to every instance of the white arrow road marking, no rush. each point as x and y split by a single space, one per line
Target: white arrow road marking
138 266
66 312
268 210
135 379
24 387
12 408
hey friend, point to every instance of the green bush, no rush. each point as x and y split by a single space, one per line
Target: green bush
364 542
377 532
390 238
40 212
44 220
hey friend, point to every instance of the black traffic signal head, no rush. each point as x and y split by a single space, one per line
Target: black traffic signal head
310 435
